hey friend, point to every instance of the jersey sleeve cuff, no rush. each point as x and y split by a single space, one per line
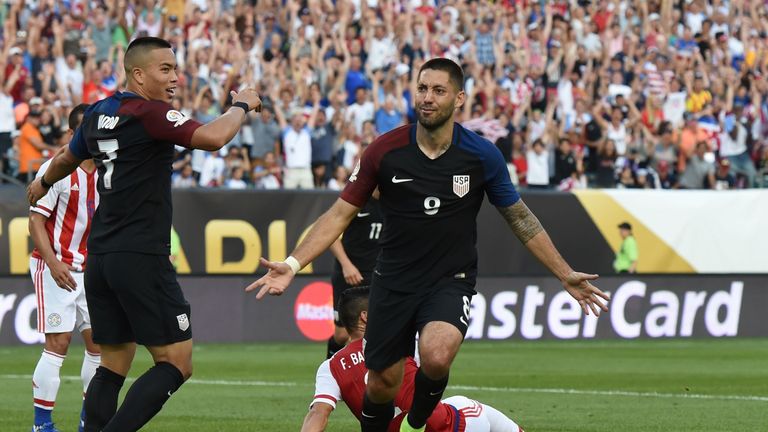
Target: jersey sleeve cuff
352 199
42 210
326 399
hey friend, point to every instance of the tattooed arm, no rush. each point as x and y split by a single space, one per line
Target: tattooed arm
528 229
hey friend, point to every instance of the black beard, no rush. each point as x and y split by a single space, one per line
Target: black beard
435 122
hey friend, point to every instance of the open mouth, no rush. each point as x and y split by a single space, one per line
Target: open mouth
171 91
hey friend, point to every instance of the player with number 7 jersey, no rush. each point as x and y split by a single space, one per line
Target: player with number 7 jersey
130 285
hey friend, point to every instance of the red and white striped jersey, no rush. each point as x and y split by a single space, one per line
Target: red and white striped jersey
343 377
69 206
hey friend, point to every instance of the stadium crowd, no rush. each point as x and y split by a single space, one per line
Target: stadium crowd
575 93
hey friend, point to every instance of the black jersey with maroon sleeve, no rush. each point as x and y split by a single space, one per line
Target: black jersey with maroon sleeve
429 205
361 238
132 139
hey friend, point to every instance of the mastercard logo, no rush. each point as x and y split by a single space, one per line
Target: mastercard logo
313 311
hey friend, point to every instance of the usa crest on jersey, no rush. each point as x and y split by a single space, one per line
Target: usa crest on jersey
460 185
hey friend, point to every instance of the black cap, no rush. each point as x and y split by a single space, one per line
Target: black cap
625 225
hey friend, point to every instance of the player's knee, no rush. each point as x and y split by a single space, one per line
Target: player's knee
186 371
58 342
437 364
383 384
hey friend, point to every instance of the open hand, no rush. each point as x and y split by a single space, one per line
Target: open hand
275 282
589 296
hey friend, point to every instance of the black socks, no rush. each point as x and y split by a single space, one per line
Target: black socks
427 393
101 399
145 398
376 417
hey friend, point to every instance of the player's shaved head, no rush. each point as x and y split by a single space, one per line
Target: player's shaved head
138 53
352 303
455 73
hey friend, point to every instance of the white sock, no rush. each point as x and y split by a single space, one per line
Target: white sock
45 380
498 421
90 363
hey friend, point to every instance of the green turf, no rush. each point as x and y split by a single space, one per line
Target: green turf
267 387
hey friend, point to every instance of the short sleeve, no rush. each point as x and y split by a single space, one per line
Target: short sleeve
47 203
363 181
78 147
498 186
326 388
164 123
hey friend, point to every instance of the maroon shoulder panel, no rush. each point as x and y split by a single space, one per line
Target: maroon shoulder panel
363 180
161 121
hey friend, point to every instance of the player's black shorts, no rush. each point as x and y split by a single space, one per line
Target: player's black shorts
339 285
134 297
395 317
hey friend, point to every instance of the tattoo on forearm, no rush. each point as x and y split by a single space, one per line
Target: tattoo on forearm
522 221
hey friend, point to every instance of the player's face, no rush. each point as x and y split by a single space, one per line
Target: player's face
436 98
160 75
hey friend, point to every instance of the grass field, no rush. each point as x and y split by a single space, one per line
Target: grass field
545 386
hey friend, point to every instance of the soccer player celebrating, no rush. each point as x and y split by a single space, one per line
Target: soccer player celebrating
432 177
59 224
343 378
131 286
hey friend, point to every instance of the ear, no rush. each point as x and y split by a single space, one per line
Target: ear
460 99
138 75
364 317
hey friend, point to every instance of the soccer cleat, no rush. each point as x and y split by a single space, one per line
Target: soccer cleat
406 427
45 427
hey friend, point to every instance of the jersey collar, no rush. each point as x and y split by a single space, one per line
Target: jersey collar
455 139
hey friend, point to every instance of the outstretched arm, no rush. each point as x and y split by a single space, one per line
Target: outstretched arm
529 231
317 418
325 231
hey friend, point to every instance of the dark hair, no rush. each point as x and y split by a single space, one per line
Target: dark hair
74 116
351 303
446 65
138 47
147 42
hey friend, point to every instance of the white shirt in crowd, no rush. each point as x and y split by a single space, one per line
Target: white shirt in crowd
236 184
619 137
7 119
297 147
733 147
383 52
359 113
213 170
73 78
538 168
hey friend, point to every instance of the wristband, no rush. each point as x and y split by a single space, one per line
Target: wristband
45 183
242 105
293 263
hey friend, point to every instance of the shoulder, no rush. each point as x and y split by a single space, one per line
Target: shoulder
399 137
475 144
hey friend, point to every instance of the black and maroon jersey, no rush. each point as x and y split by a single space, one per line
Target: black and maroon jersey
131 140
429 206
361 238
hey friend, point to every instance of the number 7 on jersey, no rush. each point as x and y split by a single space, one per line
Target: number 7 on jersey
108 147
